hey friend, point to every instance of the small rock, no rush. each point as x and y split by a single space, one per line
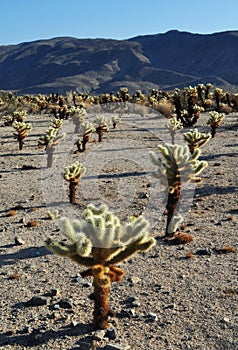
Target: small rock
131 299
85 346
56 307
134 280
55 292
111 333
74 323
135 304
117 347
152 316
38 301
19 241
226 320
99 334
65 304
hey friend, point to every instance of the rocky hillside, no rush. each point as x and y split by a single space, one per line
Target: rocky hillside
164 61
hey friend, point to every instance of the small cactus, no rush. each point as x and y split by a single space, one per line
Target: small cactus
57 123
50 140
101 125
115 121
99 242
21 133
72 174
215 121
176 167
173 125
85 129
195 139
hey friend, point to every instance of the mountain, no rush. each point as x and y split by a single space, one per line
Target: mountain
163 61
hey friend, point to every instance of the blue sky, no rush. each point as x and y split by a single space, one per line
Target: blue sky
28 20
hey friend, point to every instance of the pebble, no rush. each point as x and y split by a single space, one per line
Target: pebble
111 334
19 241
152 316
226 320
135 304
131 299
99 334
134 280
65 304
38 301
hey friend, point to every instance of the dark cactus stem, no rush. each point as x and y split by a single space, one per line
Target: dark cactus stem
84 142
173 136
214 131
217 98
171 207
72 191
101 306
100 133
21 143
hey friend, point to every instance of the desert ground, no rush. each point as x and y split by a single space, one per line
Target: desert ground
173 297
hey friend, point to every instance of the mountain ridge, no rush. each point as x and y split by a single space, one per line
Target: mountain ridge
162 61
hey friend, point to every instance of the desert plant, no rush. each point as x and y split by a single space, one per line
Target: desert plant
99 242
72 174
50 140
78 116
215 121
195 139
19 115
101 125
115 120
85 129
176 167
57 123
21 133
173 125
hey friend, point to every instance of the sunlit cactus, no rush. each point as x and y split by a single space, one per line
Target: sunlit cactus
49 141
21 133
215 121
19 116
85 129
195 139
57 123
176 167
101 125
72 174
218 93
99 242
173 125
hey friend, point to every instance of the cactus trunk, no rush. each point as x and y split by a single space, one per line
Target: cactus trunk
72 191
213 132
100 133
101 306
49 151
84 142
20 140
171 207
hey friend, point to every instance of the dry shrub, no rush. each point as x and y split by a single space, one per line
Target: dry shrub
226 250
165 107
12 213
180 238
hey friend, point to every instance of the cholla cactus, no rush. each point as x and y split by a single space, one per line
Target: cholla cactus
176 167
19 116
195 139
57 123
101 124
50 140
73 173
215 121
98 242
173 125
115 121
21 133
78 115
85 129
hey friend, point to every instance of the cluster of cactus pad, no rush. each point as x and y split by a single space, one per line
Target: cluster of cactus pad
99 242
21 133
72 174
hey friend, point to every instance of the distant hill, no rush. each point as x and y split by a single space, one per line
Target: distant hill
163 61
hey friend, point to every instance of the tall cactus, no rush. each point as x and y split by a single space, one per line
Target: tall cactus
195 139
21 133
176 167
99 242
215 121
72 174
86 128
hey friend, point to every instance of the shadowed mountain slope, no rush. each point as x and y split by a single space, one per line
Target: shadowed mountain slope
164 61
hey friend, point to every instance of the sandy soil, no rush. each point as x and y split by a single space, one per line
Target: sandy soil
172 297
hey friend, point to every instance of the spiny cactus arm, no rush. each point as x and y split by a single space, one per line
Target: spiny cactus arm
86 128
74 172
69 251
174 124
141 244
